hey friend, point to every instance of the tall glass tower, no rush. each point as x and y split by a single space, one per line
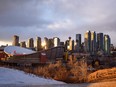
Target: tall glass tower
56 41
15 40
107 43
38 42
93 42
31 43
100 42
78 42
87 41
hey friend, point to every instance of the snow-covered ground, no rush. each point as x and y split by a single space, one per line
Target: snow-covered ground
12 76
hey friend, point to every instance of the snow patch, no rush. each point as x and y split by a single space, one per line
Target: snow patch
12 76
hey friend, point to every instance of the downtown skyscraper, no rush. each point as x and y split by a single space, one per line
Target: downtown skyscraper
31 43
56 41
78 42
107 43
69 44
90 42
93 42
46 43
38 42
23 44
50 43
100 42
87 41
15 40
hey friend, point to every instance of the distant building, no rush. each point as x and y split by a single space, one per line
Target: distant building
31 43
87 41
46 43
78 42
56 41
73 45
51 43
93 42
111 47
107 43
15 40
38 42
82 47
70 44
100 42
23 44
66 44
61 43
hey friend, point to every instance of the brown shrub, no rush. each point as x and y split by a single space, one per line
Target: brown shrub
102 75
79 70
61 73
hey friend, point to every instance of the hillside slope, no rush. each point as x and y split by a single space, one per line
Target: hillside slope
12 76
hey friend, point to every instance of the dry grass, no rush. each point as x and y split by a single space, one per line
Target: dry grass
103 84
73 72
102 75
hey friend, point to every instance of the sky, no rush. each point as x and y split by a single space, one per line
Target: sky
56 18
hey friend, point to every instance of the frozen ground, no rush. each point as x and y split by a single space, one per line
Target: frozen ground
16 78
11 76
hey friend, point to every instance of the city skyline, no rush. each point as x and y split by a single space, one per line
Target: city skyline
49 18
35 43
93 43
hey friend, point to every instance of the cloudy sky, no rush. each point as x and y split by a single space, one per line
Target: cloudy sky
60 18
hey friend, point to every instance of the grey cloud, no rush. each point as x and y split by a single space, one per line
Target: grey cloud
21 13
30 18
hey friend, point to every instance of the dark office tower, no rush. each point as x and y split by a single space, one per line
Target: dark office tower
51 43
82 47
93 42
61 43
56 41
107 43
111 47
100 42
15 40
78 42
46 43
23 44
31 43
73 45
87 41
38 39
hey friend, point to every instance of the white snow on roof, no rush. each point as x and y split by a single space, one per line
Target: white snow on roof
12 76
15 50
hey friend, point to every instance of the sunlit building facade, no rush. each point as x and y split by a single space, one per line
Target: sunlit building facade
66 44
50 43
46 43
56 41
87 41
70 44
107 43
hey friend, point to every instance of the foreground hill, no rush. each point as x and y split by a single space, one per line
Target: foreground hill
103 75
